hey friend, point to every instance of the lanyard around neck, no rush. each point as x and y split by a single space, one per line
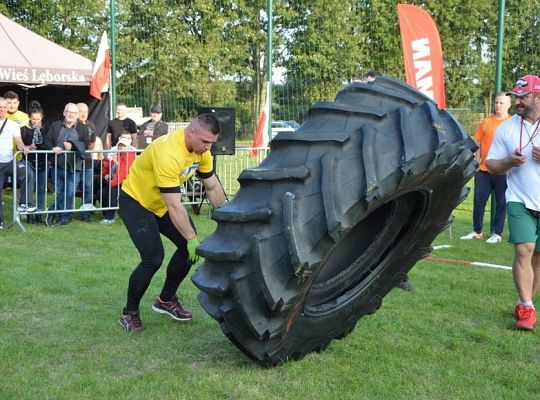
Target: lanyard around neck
531 137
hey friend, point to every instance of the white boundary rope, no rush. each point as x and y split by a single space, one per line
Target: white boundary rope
464 262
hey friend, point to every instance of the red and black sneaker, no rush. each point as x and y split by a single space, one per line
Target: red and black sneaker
517 310
131 322
526 318
172 308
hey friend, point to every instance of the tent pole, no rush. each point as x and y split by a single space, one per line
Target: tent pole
112 10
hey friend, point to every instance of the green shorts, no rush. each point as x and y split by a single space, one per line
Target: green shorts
523 226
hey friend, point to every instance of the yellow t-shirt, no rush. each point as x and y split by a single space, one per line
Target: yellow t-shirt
165 163
20 117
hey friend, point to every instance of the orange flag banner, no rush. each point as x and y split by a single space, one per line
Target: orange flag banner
422 52
260 138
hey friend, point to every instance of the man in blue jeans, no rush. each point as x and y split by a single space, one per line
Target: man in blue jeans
71 136
34 136
88 168
486 183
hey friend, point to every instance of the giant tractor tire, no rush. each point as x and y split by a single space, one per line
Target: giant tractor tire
333 219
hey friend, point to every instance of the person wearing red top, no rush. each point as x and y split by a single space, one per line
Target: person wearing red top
114 172
484 182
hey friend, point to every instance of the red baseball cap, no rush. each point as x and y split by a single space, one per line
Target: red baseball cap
527 84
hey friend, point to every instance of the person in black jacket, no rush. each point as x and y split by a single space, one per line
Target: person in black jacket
153 128
34 136
68 139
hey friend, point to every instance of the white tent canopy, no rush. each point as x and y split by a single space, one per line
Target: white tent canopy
27 58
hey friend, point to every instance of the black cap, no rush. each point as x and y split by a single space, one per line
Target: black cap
156 109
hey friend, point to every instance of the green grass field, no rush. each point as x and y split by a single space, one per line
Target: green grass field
62 290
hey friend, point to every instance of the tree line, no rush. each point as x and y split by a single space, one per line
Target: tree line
186 54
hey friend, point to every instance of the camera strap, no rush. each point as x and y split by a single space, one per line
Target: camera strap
3 125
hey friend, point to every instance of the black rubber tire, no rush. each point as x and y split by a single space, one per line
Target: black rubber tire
333 219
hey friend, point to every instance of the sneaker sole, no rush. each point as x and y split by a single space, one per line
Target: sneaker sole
160 311
524 328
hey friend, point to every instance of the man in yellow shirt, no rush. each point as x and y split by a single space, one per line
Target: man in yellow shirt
14 114
151 203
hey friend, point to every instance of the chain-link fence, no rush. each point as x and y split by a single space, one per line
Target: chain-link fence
185 55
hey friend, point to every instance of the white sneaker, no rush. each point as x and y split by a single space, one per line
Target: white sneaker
106 221
472 235
494 239
29 207
87 207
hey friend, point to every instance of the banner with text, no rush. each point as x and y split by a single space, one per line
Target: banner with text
422 52
43 76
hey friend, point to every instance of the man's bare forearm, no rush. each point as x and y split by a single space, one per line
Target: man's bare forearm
179 215
214 191
501 167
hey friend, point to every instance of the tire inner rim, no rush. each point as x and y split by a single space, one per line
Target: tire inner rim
360 257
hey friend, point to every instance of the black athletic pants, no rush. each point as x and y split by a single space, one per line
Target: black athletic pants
144 227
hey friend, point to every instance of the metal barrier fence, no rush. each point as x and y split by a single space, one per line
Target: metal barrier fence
97 195
58 194
228 168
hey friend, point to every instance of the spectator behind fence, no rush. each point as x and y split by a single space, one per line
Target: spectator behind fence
66 135
486 183
9 133
88 167
34 136
118 125
14 114
109 155
97 151
114 172
371 76
152 128
516 152
114 149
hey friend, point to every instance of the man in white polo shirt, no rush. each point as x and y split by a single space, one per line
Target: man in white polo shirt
516 152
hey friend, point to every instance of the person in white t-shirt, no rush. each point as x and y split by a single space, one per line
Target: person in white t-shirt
10 132
516 152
